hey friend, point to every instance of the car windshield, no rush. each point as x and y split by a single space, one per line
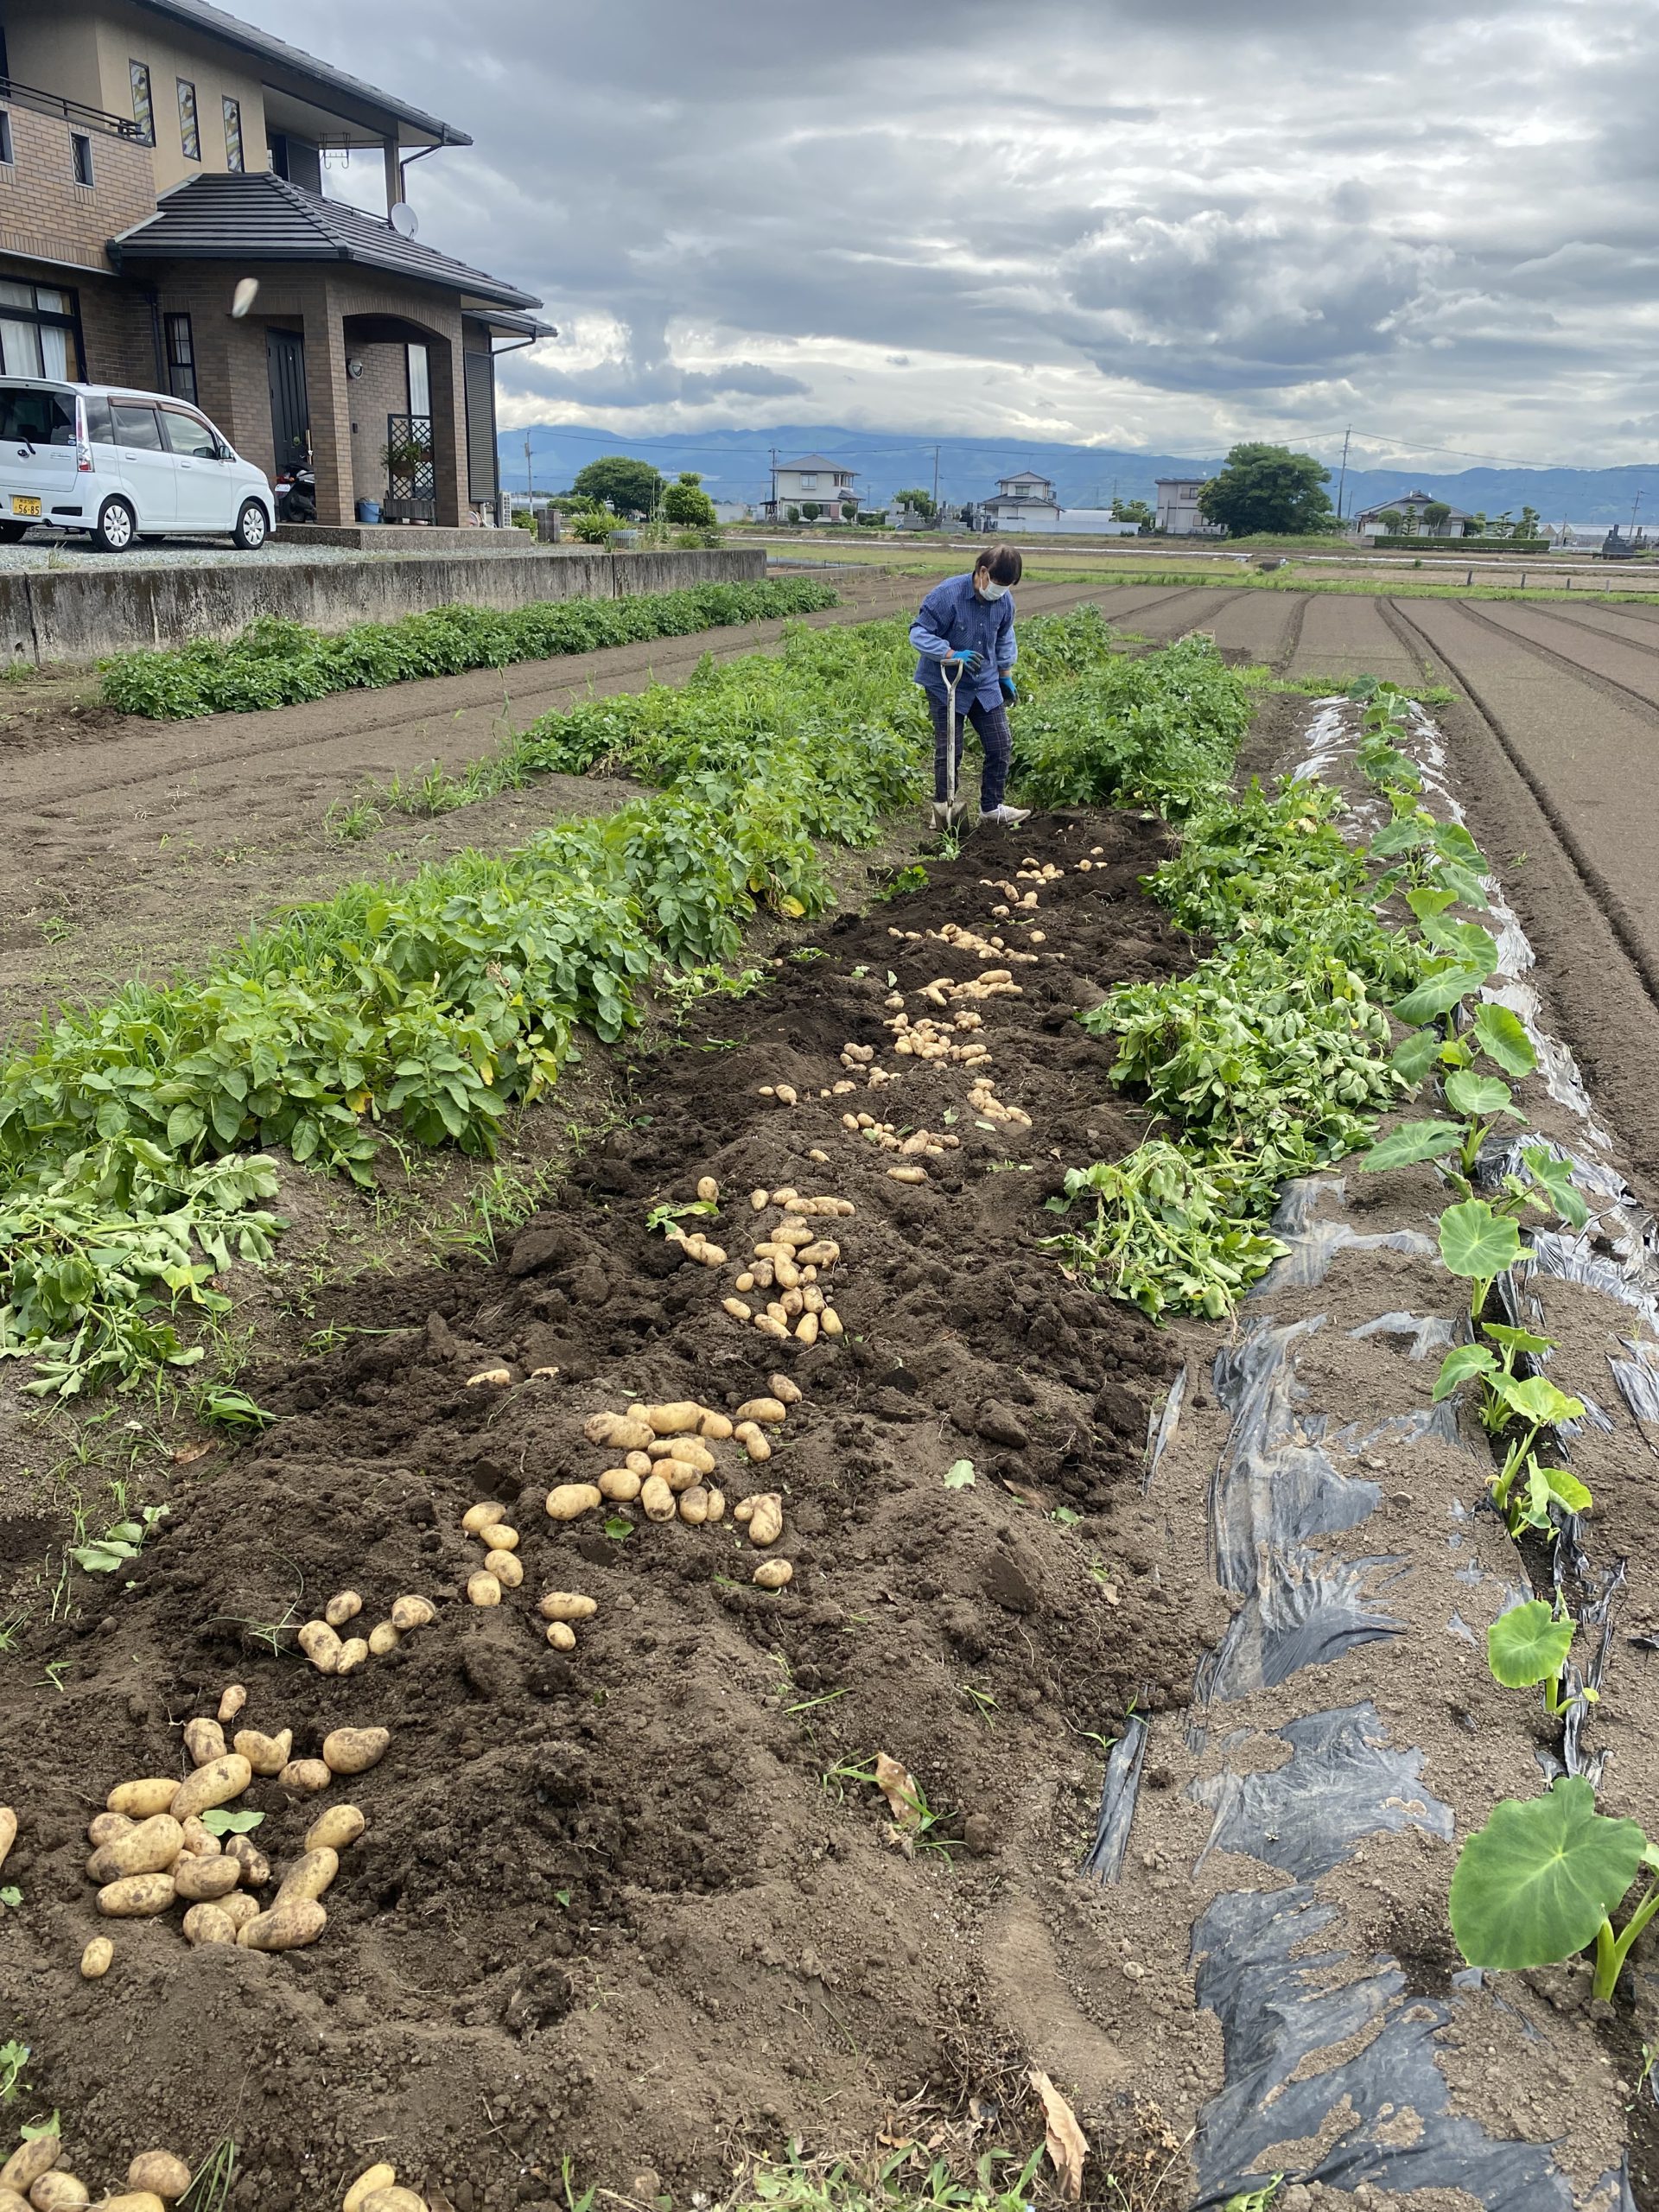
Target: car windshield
36 418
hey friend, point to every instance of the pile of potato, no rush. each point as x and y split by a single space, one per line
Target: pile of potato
885 1137
330 1654
984 1101
151 1848
31 2180
375 2190
789 1260
502 1568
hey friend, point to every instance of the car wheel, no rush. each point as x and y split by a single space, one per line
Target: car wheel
116 525
251 527
11 532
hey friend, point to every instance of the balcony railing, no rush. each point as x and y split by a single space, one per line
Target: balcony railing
75 111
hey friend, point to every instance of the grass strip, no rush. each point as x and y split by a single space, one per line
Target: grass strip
276 664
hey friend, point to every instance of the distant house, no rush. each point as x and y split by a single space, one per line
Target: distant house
1179 513
1023 501
812 480
1410 507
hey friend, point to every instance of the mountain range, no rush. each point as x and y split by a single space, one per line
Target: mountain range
735 464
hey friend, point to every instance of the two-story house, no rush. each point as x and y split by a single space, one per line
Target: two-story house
1021 499
156 153
811 481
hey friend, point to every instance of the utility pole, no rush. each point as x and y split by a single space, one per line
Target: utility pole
530 475
773 451
936 487
1342 479
1635 504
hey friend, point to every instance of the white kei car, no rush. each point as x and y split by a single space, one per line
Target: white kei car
121 465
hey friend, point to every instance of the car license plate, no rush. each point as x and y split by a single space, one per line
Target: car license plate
22 506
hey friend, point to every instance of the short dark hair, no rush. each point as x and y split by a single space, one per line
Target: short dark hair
1004 563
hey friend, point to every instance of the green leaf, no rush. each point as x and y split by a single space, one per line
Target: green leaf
220 1819
1475 1095
1426 902
617 1529
1569 1492
13 1897
1437 994
1528 1645
1555 1178
1459 1363
1502 1037
959 1474
1535 1398
1515 1339
1535 1884
1466 941
1415 1055
1411 1142
1477 1242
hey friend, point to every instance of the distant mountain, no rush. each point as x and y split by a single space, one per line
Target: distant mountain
736 464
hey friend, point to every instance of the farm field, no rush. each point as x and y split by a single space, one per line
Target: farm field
1098 1766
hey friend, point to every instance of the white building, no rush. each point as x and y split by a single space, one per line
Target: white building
1411 507
1081 521
1179 513
811 481
1023 501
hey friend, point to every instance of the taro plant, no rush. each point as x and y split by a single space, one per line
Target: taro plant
1529 1644
1541 1881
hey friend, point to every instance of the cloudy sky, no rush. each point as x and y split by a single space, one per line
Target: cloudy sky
1074 219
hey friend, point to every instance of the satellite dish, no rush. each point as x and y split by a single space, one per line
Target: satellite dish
402 219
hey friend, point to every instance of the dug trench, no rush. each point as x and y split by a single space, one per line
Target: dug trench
631 1904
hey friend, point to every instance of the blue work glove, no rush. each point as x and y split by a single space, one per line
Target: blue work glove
965 662
1010 690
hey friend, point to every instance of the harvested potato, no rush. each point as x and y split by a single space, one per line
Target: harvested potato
310 1874
499 1536
562 1636
408 1612
58 2191
787 1392
735 1307
694 1505
787 1095
333 1830
483 1589
204 1881
759 1200
637 1463
621 1485
570 1500
393 2200
240 1907
345 1606
208 1923
216 1784
657 1499
619 1431
567 1605
204 1740
11 2201
372 2177
8 1831
768 1410
770 1326
806 1329
307 1774
138 1799
321 1646
708 1190
135 1897
384 1637
715 1427
794 1303
265 1754
255 1867
716 1504
493 1378
232 1703
29 2161
288 1926
766 1517
149 1848
908 1174
132 2200
481 1516
354 1751
830 1322
163 2172
678 1419
753 1440
97 1959
103 1828
198 1841
679 1474
506 1566
353 1653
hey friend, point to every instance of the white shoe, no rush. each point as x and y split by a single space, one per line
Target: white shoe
1005 817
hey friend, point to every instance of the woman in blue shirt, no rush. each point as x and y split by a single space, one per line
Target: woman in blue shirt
965 628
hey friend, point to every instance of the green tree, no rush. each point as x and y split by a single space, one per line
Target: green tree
1132 511
849 511
616 480
1436 515
1391 519
686 502
920 502
811 509
1268 488
792 514
1528 525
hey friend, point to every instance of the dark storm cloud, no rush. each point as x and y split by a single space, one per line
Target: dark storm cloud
1118 220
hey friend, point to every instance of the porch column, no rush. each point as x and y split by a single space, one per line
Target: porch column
327 397
448 387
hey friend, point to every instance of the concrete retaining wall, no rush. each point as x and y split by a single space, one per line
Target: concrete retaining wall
81 613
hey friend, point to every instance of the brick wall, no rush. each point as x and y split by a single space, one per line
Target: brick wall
46 216
382 390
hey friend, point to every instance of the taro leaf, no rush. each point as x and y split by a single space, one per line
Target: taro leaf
1535 1884
1477 1243
1554 1177
1536 1399
1410 1143
1426 901
1404 835
1437 994
1515 1339
1464 883
1474 1095
1465 941
959 1474
1452 842
1502 1038
1528 1645
1569 1492
1364 687
1415 1055
1459 1363
220 1819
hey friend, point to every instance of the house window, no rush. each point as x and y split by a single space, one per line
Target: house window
37 331
6 154
234 159
80 157
420 382
143 110
181 358
189 128
808 483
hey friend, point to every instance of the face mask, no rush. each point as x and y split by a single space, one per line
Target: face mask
991 591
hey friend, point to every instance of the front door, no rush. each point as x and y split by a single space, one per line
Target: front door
290 416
